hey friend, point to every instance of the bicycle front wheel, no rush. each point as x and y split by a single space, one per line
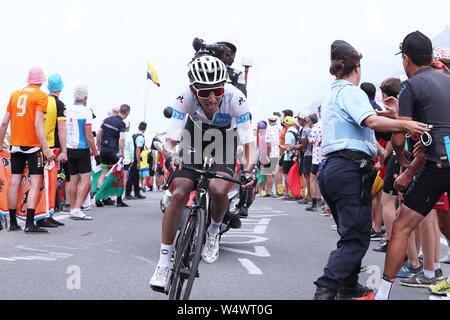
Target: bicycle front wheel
188 255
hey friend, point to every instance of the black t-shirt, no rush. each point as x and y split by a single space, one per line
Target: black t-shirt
426 98
150 158
112 127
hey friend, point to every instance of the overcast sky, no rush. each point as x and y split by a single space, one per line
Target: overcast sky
106 44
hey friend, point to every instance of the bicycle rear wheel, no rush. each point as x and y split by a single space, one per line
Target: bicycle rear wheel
188 255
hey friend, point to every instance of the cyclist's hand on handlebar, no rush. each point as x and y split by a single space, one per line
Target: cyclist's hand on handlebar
173 163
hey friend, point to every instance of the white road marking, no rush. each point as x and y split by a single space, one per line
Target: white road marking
143 259
250 266
251 239
260 251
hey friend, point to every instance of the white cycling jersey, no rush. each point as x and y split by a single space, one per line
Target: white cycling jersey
77 117
233 113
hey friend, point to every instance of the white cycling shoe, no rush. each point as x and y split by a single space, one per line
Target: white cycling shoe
210 251
160 278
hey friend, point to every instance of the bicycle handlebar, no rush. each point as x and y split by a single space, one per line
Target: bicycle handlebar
208 173
212 174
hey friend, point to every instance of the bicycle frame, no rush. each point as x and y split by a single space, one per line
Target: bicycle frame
192 236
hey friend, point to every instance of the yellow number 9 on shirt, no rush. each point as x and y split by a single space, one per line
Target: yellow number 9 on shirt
22 105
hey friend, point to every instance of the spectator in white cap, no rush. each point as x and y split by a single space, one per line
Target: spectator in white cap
115 110
273 150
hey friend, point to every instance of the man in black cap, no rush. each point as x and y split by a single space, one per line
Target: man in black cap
423 97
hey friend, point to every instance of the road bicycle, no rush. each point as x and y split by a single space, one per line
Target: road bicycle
192 232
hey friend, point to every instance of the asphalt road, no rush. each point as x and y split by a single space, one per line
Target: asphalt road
278 253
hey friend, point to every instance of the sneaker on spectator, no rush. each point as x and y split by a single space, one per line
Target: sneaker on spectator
66 209
444 297
312 208
352 292
375 236
79 215
325 211
108 202
305 200
408 271
382 247
438 274
418 281
441 288
445 259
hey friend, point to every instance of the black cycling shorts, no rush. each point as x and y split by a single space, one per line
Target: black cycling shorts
392 172
193 176
34 160
109 156
65 168
307 164
314 169
287 165
79 161
428 186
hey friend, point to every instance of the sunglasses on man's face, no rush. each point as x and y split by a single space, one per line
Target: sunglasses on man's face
206 92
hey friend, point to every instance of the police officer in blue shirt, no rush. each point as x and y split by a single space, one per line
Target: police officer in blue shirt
348 172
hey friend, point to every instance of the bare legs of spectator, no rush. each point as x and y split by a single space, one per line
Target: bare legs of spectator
308 185
377 211
102 178
13 195
78 187
279 179
413 249
389 212
443 218
428 241
315 193
125 179
269 185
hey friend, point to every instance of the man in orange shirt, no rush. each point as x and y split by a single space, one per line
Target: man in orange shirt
25 111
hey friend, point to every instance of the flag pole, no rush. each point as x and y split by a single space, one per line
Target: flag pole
146 99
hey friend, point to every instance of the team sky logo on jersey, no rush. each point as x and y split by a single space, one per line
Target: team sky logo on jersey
177 115
222 119
242 100
243 118
180 98
227 97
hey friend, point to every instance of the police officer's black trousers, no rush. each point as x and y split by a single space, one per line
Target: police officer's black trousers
340 185
133 181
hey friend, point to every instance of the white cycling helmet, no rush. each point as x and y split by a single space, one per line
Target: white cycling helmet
207 70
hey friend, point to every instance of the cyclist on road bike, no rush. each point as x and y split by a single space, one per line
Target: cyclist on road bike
210 103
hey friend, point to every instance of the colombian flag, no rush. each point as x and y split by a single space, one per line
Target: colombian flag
151 74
